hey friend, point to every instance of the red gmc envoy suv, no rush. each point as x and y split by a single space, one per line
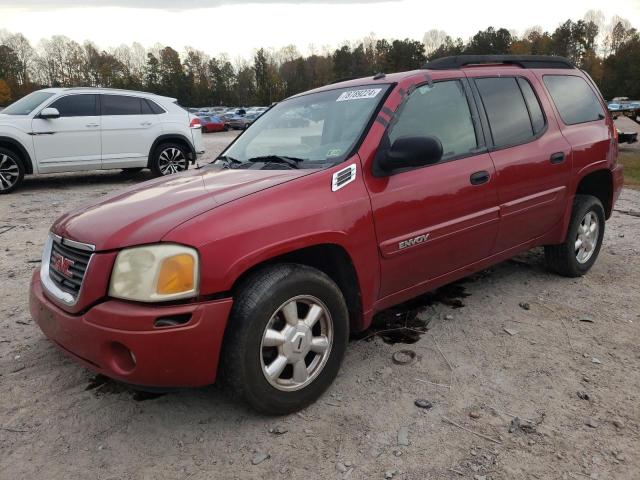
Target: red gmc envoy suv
335 204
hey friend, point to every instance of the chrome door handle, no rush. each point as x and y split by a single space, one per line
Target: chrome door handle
92 125
146 124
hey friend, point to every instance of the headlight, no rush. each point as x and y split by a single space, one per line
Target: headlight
155 273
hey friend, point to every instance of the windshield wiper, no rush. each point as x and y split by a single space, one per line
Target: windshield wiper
228 160
290 161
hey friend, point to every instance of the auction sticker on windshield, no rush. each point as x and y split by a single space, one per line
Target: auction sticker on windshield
359 94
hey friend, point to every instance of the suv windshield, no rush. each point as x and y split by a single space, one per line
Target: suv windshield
28 104
316 129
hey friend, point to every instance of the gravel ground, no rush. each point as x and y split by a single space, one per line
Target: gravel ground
561 354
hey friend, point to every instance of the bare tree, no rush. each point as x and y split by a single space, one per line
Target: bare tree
433 40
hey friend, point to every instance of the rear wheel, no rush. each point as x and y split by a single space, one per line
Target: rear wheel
580 250
286 338
11 171
169 158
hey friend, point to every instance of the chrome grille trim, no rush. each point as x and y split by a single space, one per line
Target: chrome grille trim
66 298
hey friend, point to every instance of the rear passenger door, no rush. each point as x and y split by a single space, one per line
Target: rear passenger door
433 220
129 128
531 157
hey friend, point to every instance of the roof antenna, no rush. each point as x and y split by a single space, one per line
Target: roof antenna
379 76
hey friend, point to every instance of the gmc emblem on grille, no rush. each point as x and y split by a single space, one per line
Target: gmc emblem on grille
413 241
62 264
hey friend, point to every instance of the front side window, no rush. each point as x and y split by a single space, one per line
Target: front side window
27 104
312 131
575 100
440 110
121 105
506 110
76 106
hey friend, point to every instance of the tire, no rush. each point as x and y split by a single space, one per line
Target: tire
11 171
249 354
579 252
128 171
169 158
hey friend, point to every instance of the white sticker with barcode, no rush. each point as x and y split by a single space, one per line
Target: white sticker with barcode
359 94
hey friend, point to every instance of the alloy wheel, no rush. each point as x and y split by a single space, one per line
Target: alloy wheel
587 237
9 172
296 343
172 160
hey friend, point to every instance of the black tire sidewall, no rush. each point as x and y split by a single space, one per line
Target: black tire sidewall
21 170
249 378
583 205
155 162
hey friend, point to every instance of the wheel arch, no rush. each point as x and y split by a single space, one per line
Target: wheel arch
172 138
331 259
15 146
598 183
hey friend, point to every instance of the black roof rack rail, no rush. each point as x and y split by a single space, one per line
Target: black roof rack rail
524 61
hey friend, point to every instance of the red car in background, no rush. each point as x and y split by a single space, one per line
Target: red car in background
212 124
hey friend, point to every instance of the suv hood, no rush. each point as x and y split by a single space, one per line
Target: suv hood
147 212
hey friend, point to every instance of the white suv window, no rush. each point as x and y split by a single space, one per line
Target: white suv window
124 105
77 106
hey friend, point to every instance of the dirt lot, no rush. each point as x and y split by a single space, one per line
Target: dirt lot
563 355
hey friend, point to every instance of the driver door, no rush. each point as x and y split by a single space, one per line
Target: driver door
72 141
436 219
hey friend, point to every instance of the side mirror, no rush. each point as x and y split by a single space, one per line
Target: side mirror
411 152
49 113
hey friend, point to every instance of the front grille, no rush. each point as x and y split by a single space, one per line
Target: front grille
71 280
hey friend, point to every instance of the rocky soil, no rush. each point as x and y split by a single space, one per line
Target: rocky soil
520 375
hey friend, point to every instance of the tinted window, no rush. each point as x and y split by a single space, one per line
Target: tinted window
574 99
27 104
535 111
121 105
508 115
154 107
146 108
440 110
76 106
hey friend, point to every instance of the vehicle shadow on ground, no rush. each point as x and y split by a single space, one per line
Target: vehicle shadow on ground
74 180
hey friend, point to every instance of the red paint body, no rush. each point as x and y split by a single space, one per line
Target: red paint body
238 219
211 125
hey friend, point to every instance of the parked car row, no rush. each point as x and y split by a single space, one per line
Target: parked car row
229 120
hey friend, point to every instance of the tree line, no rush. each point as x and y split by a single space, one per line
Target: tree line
610 53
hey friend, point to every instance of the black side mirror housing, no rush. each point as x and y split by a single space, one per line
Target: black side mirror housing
407 152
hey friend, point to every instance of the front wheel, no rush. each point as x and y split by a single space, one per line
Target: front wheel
169 158
11 171
285 339
579 252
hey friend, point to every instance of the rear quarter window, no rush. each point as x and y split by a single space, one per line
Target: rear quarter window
575 100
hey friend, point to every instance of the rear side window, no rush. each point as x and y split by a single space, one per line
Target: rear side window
575 100
440 110
535 110
506 110
77 106
153 107
121 105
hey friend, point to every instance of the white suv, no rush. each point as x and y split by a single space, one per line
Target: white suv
72 129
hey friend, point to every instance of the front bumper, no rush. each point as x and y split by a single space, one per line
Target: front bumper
118 339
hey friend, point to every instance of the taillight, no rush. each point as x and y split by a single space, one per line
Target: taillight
195 123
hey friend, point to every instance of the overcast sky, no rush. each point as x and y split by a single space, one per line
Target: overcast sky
237 26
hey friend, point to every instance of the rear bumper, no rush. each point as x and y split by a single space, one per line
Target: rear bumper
118 339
